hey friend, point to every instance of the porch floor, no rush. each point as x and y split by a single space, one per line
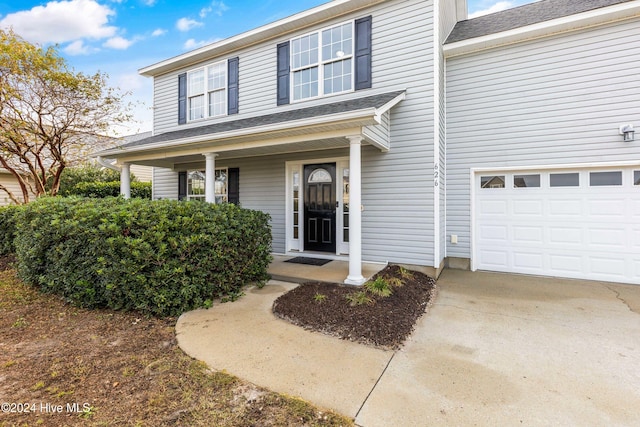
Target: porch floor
335 271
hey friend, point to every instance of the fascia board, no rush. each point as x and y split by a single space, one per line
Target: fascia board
592 18
358 115
284 26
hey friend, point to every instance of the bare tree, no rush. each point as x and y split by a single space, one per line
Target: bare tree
50 116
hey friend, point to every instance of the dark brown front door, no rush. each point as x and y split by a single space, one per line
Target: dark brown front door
320 207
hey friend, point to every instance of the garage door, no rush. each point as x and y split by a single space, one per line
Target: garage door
568 223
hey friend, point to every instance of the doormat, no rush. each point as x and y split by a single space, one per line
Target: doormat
308 261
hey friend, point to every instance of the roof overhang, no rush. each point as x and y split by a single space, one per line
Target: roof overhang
592 18
309 134
275 29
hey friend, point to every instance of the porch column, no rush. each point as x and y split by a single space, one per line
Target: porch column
210 178
125 180
355 213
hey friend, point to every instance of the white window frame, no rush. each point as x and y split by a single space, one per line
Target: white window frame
221 197
320 63
207 91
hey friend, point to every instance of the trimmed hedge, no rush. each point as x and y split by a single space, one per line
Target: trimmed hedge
97 189
158 257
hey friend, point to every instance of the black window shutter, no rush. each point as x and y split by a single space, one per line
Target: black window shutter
182 98
233 185
363 53
232 88
182 185
283 73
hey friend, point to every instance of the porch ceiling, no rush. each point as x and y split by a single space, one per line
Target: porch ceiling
306 129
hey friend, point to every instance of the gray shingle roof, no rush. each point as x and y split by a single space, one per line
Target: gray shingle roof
529 14
373 101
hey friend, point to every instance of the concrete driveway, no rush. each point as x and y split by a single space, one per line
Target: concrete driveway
495 349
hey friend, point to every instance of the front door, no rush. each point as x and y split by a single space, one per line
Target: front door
320 207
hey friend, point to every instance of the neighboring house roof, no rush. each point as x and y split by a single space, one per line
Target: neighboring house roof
282 119
529 14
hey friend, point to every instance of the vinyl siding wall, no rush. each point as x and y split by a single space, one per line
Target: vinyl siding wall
558 100
397 186
10 183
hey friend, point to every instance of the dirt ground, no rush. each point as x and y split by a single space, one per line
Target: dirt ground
65 366
385 322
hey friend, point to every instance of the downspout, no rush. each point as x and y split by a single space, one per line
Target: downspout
102 162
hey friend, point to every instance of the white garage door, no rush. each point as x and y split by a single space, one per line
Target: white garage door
580 224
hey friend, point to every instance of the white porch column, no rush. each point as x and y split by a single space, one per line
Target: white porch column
355 213
210 178
125 180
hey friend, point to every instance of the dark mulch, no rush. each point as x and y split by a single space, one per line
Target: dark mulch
386 323
7 262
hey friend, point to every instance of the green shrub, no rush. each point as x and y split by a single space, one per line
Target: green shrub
379 287
7 228
158 257
97 189
85 173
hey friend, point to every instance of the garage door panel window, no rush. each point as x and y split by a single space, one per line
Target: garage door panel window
597 179
564 179
526 181
636 177
494 181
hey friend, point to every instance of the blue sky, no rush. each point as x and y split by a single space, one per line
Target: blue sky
118 37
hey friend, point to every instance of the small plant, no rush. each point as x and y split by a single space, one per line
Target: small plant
359 298
379 287
319 298
87 412
395 282
406 274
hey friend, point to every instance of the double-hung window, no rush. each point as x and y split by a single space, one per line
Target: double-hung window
196 181
322 62
207 91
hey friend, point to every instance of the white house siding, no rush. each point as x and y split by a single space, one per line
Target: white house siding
397 186
142 173
8 181
165 184
551 101
447 20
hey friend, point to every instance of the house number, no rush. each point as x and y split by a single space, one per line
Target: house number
436 175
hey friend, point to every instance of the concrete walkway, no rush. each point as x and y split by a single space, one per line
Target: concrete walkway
495 349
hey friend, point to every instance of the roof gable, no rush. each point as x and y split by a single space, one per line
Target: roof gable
530 14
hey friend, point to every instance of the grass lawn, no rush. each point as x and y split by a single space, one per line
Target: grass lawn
65 366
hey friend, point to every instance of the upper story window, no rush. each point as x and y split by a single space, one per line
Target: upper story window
332 60
207 91
322 62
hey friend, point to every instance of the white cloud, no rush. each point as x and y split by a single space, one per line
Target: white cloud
150 2
499 6
216 7
62 21
78 48
131 82
193 44
159 32
118 42
186 24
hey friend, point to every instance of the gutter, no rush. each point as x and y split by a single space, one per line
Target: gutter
102 162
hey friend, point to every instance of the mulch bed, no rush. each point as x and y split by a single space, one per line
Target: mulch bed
386 323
